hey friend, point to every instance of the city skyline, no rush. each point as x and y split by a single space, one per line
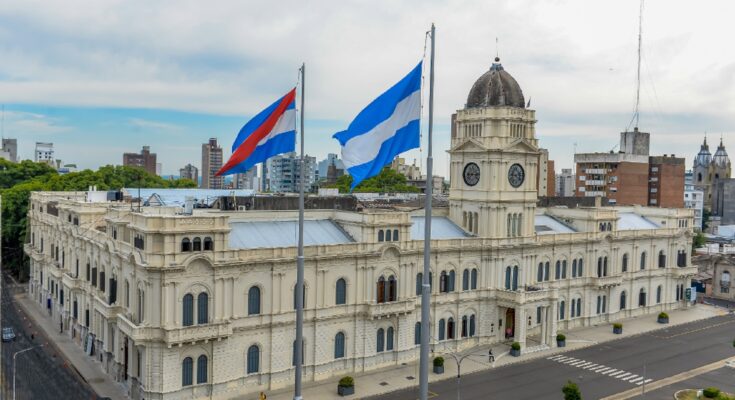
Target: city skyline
174 93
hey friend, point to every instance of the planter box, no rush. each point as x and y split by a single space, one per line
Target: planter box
618 331
663 320
438 369
515 353
561 343
345 390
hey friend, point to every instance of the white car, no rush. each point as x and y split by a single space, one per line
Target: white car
8 334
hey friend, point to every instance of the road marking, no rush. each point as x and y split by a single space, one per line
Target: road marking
599 369
646 382
619 374
640 378
693 330
633 376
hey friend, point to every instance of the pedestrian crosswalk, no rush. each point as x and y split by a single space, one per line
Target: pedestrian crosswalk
600 369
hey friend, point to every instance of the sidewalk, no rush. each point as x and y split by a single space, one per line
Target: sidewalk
401 377
92 372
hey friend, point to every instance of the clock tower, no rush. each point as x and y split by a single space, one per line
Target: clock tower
494 159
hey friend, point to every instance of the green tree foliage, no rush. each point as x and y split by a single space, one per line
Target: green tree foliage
17 181
699 241
387 181
571 391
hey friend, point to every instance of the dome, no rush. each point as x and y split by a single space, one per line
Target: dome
496 88
721 159
704 157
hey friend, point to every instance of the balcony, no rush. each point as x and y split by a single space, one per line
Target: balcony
592 193
683 272
137 333
607 281
594 182
379 310
71 282
595 171
520 297
188 334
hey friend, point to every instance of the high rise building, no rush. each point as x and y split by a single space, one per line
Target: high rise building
9 150
323 167
412 172
44 153
546 184
631 176
565 183
284 172
247 180
189 172
694 199
708 170
145 160
211 163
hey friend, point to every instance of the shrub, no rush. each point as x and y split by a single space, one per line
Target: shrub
438 361
571 391
733 343
663 315
711 392
347 381
515 346
618 325
560 337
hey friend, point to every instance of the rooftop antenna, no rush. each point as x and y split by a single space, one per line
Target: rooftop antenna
2 123
496 48
638 76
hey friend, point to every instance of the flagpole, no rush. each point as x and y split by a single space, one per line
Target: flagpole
426 286
299 343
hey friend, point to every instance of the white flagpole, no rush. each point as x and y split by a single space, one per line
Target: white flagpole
426 286
299 343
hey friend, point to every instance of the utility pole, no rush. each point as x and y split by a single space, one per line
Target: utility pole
299 342
16 355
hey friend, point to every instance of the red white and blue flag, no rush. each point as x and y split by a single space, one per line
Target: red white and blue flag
271 132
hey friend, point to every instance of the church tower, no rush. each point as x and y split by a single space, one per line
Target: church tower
494 159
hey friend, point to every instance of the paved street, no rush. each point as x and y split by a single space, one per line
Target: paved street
600 370
723 378
41 373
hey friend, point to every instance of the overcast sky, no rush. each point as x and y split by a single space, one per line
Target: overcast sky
99 78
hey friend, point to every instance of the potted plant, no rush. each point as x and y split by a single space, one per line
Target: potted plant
663 318
515 349
438 365
561 340
617 328
346 386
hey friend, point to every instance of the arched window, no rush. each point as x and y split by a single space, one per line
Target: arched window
622 300
188 306
303 296
661 259
643 260
579 306
441 329
562 309
341 292
381 235
659 291
203 308
546 271
540 272
557 274
186 245
472 325
515 278
599 304
450 328
580 267
187 372
253 359
443 282
417 333
574 268
380 340
389 339
604 266
564 269
625 263
197 244
508 278
599 267
466 279
75 311
642 298
395 235
254 301
392 288
463 333
381 289
473 279
339 345
419 283
451 280
208 244
202 369
388 236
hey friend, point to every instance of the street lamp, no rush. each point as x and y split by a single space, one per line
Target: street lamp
458 359
14 356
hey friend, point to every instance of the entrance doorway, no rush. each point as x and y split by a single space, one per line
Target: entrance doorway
510 323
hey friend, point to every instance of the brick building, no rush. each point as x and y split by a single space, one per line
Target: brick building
145 160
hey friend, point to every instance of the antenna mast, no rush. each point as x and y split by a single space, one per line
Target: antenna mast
638 77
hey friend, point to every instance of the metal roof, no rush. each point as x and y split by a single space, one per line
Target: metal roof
262 234
441 228
546 225
628 221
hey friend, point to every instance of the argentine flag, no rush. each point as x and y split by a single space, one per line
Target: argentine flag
386 128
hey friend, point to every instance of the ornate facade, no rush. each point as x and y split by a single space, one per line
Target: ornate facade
202 306
708 170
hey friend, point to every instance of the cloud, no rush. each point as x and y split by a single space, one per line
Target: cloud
153 125
18 123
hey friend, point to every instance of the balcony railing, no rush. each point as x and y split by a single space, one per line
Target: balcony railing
607 281
683 272
212 331
522 296
391 308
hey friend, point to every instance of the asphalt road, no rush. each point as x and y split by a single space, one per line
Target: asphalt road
723 378
41 373
665 353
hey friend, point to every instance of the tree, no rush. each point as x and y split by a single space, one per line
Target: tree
706 215
387 181
17 181
699 241
571 391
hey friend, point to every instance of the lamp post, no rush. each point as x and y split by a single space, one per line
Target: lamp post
458 359
14 356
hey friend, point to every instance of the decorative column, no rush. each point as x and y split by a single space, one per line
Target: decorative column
520 326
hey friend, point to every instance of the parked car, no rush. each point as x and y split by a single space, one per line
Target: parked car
8 334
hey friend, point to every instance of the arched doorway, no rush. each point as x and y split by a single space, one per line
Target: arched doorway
510 319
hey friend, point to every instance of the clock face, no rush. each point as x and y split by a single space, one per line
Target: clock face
516 175
471 174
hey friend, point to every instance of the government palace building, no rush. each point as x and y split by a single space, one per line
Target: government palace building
182 303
